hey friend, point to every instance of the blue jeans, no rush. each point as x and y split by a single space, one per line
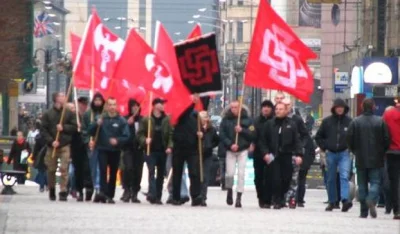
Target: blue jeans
71 177
338 162
371 193
94 168
41 178
156 160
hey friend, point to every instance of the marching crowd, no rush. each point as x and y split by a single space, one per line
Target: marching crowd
95 138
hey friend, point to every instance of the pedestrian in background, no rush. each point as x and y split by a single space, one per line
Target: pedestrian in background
19 153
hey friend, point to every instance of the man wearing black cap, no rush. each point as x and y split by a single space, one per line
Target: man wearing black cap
132 156
331 138
262 175
160 141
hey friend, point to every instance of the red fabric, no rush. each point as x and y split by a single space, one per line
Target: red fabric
75 42
20 141
196 32
278 58
101 50
392 119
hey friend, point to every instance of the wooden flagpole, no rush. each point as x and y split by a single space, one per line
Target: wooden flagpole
63 113
149 123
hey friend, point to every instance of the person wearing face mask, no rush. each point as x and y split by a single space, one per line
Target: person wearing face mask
280 144
331 138
19 149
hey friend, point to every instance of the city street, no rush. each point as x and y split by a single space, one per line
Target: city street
31 212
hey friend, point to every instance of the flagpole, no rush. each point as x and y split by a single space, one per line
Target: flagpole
240 110
200 148
149 123
63 113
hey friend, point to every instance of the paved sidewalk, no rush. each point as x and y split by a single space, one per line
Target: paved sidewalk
31 212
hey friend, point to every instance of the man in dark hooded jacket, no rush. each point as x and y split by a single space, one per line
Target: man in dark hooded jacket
237 150
133 157
96 109
331 138
262 175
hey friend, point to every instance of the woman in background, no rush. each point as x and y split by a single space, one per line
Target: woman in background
20 151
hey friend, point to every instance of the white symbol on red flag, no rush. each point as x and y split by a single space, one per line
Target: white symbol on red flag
162 76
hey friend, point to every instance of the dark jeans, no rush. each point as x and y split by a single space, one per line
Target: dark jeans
110 160
301 189
369 193
133 169
222 164
393 161
178 161
263 180
207 166
41 178
80 161
156 160
384 196
282 170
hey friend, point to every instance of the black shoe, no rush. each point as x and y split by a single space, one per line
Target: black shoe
204 203
300 204
266 206
169 201
261 204
175 202
337 206
151 200
110 201
330 207
158 202
80 197
197 201
346 206
364 216
184 200
387 212
88 195
292 203
277 207
223 188
238 203
52 194
229 197
372 209
126 196
134 198
396 217
63 196
97 198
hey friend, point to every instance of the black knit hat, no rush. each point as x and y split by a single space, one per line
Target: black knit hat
267 103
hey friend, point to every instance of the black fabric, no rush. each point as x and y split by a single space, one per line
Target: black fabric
185 131
227 131
178 161
199 65
333 131
259 124
133 169
280 137
156 142
80 161
263 180
309 154
156 161
393 161
108 159
210 140
15 155
39 152
301 128
368 138
282 170
301 185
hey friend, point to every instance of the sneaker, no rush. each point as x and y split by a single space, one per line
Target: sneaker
372 209
330 207
346 206
63 196
292 203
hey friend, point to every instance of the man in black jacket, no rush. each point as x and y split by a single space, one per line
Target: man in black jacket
368 138
280 144
113 134
237 150
262 171
185 139
50 126
331 138
132 156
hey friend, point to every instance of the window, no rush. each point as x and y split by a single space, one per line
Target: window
230 36
239 32
240 3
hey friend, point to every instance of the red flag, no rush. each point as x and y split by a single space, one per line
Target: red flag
100 50
75 42
278 58
178 100
196 32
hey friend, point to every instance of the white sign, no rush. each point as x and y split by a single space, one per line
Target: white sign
378 73
342 78
312 42
391 91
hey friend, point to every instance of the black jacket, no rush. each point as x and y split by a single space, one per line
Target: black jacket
301 128
133 142
185 131
15 155
333 130
259 124
95 112
112 127
50 120
269 140
227 131
39 152
210 141
309 154
368 138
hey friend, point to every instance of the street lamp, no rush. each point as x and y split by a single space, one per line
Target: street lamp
48 66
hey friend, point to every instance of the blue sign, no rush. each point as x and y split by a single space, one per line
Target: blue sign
342 81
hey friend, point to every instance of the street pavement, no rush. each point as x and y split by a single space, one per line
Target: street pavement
31 212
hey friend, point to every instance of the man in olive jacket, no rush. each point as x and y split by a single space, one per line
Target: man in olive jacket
50 126
369 139
160 141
